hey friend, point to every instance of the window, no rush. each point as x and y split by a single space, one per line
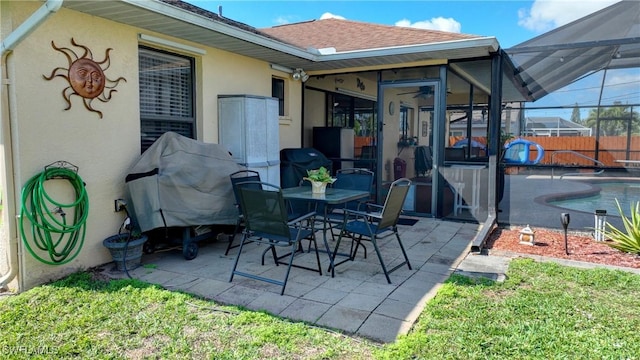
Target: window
277 91
166 95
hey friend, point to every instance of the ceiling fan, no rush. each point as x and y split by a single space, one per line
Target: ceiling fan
423 92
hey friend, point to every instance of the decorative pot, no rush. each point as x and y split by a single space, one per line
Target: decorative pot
118 246
318 187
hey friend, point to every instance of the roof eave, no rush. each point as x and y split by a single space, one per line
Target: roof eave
490 43
220 27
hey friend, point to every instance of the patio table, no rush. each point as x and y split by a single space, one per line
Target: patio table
332 197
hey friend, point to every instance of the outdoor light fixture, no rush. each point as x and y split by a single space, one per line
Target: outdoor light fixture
565 218
601 220
299 74
282 68
527 236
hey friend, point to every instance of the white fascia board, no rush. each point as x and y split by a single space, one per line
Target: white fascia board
491 43
207 23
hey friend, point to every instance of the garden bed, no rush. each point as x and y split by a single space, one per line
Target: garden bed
582 247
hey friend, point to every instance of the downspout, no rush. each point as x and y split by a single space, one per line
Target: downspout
8 127
495 109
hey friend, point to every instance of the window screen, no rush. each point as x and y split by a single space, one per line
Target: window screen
166 95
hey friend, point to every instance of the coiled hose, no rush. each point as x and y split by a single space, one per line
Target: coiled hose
50 230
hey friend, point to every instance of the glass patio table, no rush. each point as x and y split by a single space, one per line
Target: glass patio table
331 197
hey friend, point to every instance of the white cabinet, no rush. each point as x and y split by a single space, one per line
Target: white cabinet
248 128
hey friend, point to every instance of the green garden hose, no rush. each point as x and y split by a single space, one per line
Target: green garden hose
50 230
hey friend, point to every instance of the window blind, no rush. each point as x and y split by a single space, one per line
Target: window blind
166 95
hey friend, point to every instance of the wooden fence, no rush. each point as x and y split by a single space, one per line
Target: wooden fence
611 148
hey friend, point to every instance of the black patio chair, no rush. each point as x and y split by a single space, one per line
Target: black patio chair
266 221
352 179
237 177
378 223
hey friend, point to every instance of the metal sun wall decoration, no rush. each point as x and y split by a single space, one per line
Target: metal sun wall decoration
85 76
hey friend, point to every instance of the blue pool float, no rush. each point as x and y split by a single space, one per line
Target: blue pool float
517 152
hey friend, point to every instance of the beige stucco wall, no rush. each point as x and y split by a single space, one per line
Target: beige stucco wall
104 148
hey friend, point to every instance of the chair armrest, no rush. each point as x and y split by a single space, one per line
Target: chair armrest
301 218
363 214
374 207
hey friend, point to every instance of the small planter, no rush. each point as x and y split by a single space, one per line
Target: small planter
117 245
318 187
319 179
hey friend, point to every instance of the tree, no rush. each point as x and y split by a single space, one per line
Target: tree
575 115
614 120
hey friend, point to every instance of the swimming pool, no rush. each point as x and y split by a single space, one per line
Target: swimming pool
625 192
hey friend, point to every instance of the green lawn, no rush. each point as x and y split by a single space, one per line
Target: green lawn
542 311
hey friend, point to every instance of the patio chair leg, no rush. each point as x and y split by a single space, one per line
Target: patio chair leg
235 263
354 251
286 276
315 245
384 268
232 238
333 256
403 252
273 253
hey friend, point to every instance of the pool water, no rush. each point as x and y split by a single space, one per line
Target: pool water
625 193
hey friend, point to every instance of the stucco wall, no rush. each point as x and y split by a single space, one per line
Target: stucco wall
104 148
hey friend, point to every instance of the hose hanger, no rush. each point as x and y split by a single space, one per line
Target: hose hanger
56 228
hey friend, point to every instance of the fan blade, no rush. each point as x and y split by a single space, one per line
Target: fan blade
411 92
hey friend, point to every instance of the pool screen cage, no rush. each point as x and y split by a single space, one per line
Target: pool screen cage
588 123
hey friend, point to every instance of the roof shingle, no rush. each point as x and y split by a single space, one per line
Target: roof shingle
348 35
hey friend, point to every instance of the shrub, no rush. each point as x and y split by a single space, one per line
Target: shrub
628 241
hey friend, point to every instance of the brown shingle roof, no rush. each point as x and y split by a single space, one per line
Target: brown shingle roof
213 16
347 35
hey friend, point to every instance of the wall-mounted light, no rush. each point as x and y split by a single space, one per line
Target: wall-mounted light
299 74
171 44
282 68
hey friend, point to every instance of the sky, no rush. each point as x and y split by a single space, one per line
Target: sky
510 21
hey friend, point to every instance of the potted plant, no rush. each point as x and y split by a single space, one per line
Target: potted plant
126 249
319 179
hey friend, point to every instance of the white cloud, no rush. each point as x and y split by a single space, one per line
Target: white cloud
282 20
623 78
329 15
439 23
545 15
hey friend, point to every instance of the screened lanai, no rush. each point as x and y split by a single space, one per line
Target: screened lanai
589 69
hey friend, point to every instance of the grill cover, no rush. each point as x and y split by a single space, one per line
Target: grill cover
294 164
179 181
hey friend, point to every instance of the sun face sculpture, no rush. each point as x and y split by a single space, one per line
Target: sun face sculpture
85 76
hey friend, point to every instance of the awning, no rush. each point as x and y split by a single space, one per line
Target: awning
606 39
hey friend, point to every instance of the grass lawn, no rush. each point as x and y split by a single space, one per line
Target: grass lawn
542 311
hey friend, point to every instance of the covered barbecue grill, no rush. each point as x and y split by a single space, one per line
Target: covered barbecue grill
182 183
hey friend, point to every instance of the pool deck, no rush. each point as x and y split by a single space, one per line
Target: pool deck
526 201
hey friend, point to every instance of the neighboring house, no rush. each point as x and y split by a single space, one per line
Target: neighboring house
509 124
553 126
162 64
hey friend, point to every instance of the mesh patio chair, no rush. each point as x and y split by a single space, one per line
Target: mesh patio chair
351 179
237 177
266 221
378 223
